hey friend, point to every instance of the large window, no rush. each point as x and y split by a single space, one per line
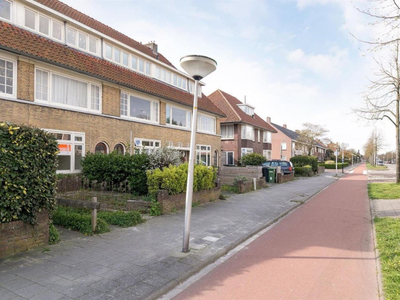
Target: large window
206 123
227 131
203 155
67 91
266 137
71 147
247 132
135 107
246 151
5 10
267 154
7 77
178 117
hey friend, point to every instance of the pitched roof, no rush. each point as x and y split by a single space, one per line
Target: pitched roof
290 133
92 23
29 44
229 105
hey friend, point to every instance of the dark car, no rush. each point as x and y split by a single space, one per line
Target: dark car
286 166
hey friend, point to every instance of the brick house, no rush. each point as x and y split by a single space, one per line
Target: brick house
285 144
95 88
242 131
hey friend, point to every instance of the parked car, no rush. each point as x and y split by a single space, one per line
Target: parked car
380 162
286 166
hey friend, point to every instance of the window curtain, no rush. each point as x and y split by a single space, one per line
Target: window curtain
69 91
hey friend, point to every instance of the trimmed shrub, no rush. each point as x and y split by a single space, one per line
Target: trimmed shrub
333 166
174 179
301 161
78 219
120 218
115 169
303 171
252 159
28 164
163 157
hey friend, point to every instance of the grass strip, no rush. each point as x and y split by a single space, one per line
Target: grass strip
384 190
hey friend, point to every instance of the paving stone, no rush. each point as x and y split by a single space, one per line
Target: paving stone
47 295
16 284
6 294
31 290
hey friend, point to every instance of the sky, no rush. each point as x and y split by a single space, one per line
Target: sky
295 61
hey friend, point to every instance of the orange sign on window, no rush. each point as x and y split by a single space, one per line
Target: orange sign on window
64 148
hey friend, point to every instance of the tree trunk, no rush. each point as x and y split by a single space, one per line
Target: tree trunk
397 138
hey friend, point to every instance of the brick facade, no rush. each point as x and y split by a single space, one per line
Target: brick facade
17 236
111 98
25 80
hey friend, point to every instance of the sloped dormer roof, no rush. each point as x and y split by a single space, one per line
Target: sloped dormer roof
100 27
23 42
228 104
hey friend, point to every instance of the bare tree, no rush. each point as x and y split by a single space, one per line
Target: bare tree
373 145
310 135
382 98
384 14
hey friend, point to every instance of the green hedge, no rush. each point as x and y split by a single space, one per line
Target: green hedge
301 161
303 171
252 159
78 219
333 166
174 178
28 164
115 169
120 218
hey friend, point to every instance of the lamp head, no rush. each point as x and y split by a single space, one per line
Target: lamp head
198 66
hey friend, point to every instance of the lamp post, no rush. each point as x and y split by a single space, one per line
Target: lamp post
197 67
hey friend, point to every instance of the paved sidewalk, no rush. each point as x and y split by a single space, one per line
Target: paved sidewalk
146 261
386 208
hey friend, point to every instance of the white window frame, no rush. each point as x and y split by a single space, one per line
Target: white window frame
74 77
154 144
258 136
225 132
245 151
267 137
227 158
11 11
14 77
212 128
88 38
170 108
72 143
203 149
267 154
283 146
154 108
247 132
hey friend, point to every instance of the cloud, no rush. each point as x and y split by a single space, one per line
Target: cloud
326 65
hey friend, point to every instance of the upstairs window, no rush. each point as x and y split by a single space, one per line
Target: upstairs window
249 110
247 132
5 10
138 108
206 123
266 137
82 40
7 77
67 91
227 131
30 17
178 117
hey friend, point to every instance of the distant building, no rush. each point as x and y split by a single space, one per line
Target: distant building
242 131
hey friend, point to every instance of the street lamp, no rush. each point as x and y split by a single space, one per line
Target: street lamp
198 67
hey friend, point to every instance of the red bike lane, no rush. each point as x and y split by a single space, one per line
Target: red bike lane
323 250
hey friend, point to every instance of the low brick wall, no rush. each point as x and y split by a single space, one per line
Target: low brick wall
168 203
284 178
227 175
248 186
17 236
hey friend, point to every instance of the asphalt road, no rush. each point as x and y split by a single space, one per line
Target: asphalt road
388 175
323 250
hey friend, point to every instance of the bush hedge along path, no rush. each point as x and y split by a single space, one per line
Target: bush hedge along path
28 164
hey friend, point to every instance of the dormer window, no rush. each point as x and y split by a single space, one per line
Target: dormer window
5 10
248 109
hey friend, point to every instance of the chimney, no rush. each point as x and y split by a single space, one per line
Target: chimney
244 99
153 46
284 126
269 120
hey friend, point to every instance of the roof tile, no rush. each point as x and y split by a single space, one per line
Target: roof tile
23 42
